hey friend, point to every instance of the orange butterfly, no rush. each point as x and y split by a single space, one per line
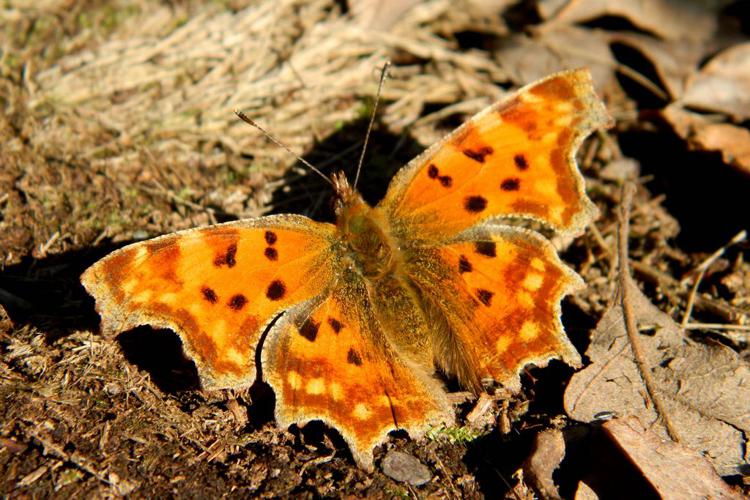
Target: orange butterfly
368 308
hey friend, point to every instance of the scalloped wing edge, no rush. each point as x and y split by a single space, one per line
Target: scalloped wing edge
114 321
597 117
363 453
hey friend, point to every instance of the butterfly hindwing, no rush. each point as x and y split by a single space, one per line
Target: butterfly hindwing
514 159
217 287
330 361
499 288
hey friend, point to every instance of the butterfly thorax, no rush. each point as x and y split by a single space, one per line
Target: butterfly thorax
363 232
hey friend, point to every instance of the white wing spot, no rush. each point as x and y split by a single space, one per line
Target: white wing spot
294 380
144 296
546 187
502 344
529 331
168 298
538 264
533 281
129 285
337 393
525 299
316 386
361 412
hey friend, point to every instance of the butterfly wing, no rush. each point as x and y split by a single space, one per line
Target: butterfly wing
515 158
217 287
499 288
329 360
496 290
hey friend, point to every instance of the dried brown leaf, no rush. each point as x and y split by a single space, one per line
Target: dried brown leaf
705 387
545 458
674 61
732 141
723 84
528 57
672 469
669 19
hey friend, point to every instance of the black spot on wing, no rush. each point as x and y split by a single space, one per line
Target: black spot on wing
464 266
511 184
521 162
276 290
209 295
353 357
237 302
485 296
309 329
434 173
229 258
271 253
335 325
475 204
486 248
270 237
478 155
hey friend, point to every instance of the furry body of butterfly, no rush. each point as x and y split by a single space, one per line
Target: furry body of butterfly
366 309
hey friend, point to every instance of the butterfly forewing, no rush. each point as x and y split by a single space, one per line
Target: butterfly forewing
217 287
514 159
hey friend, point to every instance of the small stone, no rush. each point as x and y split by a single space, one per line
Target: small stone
405 468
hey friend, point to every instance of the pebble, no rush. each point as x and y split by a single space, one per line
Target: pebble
405 468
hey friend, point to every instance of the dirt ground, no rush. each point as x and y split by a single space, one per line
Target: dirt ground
117 125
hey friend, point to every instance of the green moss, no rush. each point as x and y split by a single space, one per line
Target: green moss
453 435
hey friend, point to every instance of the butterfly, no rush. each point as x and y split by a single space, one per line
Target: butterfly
361 314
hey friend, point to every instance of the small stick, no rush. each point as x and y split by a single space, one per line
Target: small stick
702 268
716 326
627 310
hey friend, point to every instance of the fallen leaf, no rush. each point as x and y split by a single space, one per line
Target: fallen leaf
529 56
670 19
732 141
545 458
672 469
723 84
674 61
584 492
706 387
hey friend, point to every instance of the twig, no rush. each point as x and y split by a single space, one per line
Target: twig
702 268
672 288
627 309
708 261
716 326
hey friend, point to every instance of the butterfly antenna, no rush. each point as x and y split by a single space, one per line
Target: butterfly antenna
383 75
309 165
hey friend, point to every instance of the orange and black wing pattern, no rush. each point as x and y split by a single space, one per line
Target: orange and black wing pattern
217 287
514 159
